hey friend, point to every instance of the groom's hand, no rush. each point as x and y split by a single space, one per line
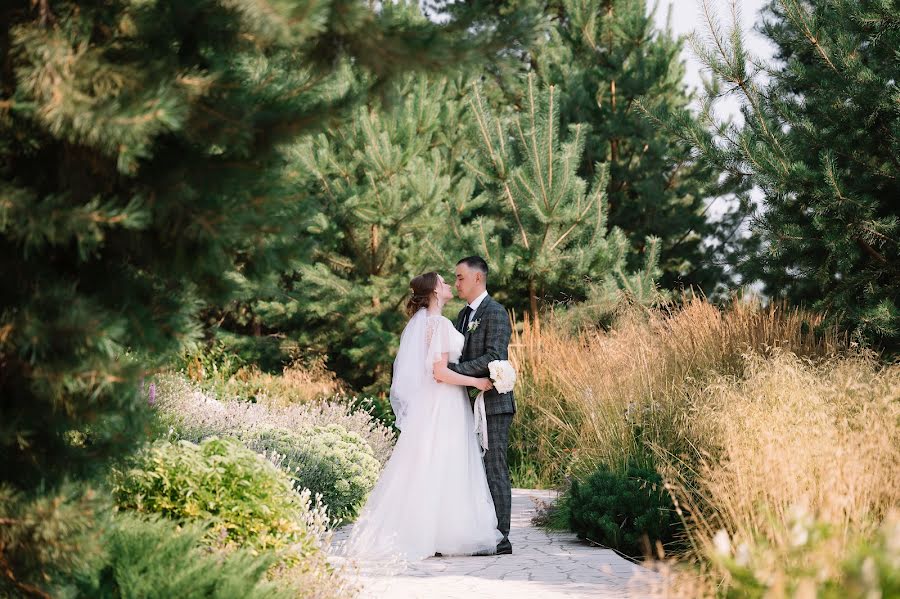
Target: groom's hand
484 384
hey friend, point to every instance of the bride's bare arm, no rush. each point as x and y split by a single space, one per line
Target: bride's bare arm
442 374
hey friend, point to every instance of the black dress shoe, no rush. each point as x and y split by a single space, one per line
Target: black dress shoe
504 551
438 554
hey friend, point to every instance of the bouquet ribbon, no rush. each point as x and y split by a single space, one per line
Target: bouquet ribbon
481 429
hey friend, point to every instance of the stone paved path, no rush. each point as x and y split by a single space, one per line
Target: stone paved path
543 565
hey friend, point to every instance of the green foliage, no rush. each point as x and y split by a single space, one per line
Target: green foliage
74 553
152 557
328 460
869 568
44 537
628 511
383 198
377 193
612 64
551 234
821 141
141 179
246 500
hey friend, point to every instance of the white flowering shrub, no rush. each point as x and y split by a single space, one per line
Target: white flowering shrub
194 415
332 462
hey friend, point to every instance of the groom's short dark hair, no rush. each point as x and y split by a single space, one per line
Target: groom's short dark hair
476 262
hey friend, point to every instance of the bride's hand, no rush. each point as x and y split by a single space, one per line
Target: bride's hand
484 384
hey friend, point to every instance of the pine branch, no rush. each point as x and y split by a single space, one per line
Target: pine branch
47 16
798 14
868 249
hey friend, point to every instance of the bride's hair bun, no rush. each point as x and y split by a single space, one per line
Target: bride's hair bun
421 288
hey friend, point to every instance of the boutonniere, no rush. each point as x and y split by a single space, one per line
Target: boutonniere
473 325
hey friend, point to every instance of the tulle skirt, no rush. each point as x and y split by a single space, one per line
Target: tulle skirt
432 495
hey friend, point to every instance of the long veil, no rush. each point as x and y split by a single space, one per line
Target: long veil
409 376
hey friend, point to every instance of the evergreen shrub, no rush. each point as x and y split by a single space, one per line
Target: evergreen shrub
39 534
627 511
152 557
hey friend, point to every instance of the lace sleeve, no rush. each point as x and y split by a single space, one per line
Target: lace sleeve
437 340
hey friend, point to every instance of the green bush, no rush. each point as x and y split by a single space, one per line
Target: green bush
328 460
628 512
247 500
45 535
152 557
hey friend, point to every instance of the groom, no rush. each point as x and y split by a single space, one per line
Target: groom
486 327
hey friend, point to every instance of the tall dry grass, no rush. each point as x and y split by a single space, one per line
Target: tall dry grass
781 445
800 466
603 396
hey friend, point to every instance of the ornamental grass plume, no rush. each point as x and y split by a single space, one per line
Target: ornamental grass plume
799 468
778 440
575 390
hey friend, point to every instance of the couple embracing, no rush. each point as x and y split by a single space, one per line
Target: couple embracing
437 494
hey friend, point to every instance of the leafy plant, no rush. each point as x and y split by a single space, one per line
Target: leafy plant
628 511
246 499
552 233
328 460
818 139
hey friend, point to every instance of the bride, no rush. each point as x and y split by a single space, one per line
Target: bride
432 496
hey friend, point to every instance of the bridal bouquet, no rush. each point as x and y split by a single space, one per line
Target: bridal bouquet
503 375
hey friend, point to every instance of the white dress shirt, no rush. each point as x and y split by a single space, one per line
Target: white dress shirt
477 301
474 306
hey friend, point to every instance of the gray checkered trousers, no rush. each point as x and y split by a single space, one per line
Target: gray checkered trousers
485 342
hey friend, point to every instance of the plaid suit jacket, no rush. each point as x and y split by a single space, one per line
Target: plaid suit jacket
489 341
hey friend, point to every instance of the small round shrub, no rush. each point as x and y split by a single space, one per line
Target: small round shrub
248 501
328 460
623 511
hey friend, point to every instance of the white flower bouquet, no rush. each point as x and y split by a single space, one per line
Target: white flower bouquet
503 375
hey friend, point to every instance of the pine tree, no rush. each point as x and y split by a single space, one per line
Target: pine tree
376 196
821 139
551 233
611 64
140 179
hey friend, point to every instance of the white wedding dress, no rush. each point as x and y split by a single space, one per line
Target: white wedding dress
432 495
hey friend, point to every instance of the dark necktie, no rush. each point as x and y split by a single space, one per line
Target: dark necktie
465 320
